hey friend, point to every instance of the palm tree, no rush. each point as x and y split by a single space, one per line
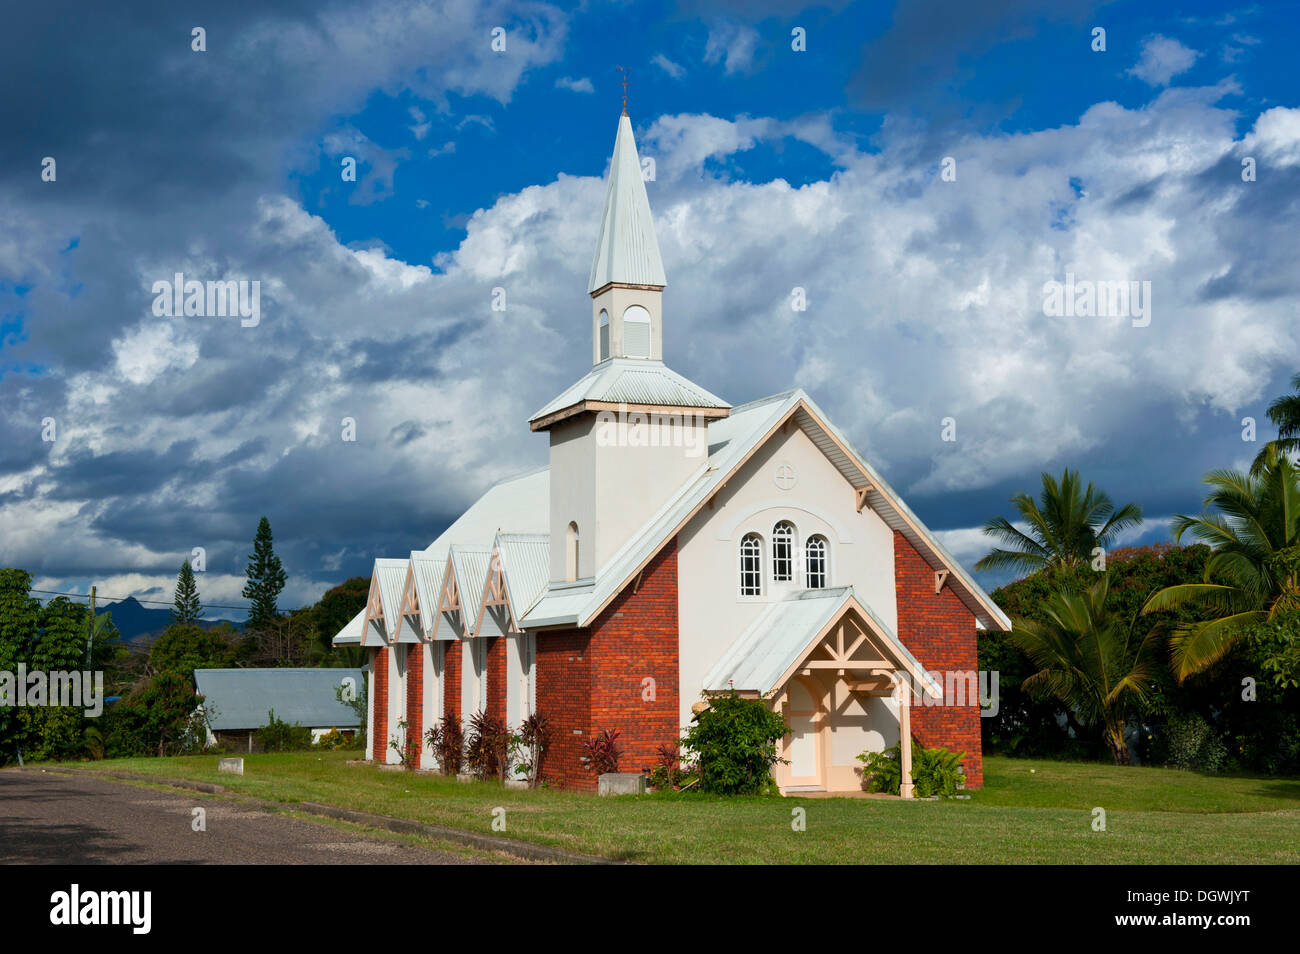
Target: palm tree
1285 415
1091 660
1255 564
1065 526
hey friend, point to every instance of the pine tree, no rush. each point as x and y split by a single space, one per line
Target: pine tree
265 579
188 608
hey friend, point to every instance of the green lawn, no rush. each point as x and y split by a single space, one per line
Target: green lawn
1044 815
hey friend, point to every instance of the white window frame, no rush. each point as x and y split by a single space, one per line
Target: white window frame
757 571
787 540
822 546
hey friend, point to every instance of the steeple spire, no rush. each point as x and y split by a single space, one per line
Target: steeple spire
627 252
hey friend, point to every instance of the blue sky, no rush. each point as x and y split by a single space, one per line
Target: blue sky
481 169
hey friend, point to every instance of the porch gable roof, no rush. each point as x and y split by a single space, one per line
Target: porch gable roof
764 657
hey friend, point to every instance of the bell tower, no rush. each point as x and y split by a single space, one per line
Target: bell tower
627 274
631 431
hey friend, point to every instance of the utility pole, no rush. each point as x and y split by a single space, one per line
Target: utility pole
90 630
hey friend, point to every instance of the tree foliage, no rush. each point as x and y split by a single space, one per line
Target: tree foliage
1092 659
1065 525
1253 575
266 578
187 607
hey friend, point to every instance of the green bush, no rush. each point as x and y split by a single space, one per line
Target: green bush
280 736
334 739
934 771
1191 743
733 743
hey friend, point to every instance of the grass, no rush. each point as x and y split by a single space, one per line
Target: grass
1028 812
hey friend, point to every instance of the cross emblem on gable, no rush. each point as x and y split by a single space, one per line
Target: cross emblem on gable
785 476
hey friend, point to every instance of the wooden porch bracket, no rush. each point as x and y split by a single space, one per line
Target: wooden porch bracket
940 578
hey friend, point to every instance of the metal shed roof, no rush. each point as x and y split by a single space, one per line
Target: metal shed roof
240 698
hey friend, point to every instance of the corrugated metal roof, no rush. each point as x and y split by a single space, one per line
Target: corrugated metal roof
633 381
783 633
471 564
525 560
426 573
627 250
521 503
351 633
241 698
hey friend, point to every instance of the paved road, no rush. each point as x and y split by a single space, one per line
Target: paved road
46 818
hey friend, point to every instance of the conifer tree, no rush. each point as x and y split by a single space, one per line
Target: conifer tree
188 609
265 579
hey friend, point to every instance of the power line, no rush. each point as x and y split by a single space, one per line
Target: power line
119 599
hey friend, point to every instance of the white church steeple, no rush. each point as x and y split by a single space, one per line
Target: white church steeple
627 274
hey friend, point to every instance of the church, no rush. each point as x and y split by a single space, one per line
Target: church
677 546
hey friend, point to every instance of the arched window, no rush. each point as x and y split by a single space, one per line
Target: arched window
604 334
783 552
815 565
571 553
751 565
636 332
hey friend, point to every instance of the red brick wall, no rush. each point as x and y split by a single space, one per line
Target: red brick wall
563 675
496 677
940 632
451 679
414 702
633 640
379 705
594 679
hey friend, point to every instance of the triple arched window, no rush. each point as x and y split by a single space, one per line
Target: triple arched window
785 563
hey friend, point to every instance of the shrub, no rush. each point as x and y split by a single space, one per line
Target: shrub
280 736
535 740
603 752
447 741
1192 744
488 747
733 743
333 739
934 771
667 772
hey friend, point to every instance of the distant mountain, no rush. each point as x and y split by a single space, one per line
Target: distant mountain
137 623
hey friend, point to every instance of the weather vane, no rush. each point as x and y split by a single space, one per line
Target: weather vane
624 84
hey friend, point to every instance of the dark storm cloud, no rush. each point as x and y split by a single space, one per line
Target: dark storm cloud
930 40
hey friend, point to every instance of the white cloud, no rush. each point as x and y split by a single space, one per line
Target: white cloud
1162 59
152 348
582 85
733 45
675 70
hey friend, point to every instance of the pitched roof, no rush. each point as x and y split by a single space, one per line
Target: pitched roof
524 561
783 634
633 381
731 441
351 633
627 250
241 698
521 503
389 575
